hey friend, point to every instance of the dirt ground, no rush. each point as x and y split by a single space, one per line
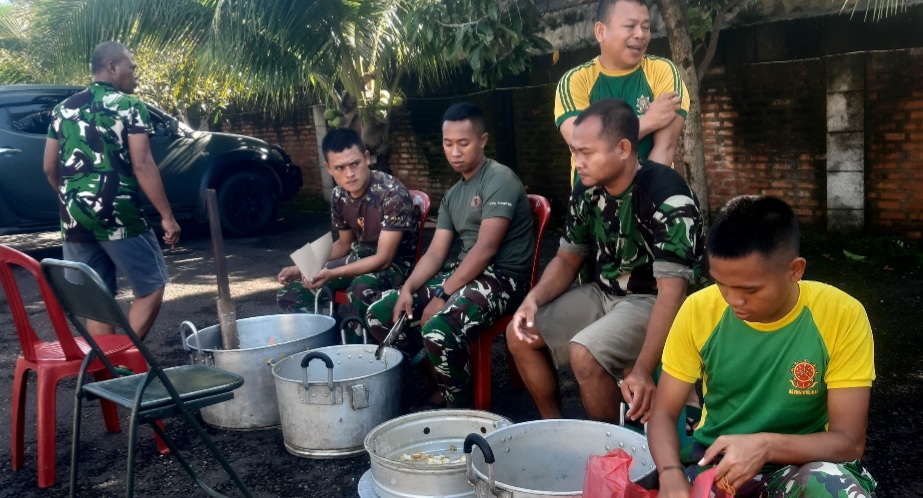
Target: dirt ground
891 292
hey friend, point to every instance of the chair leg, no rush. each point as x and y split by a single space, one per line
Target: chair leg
75 436
480 356
18 415
132 446
217 453
45 427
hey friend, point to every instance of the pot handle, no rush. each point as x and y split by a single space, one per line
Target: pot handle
317 294
477 439
192 331
327 362
350 319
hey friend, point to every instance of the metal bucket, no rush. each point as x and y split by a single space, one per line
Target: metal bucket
547 458
433 434
263 339
328 406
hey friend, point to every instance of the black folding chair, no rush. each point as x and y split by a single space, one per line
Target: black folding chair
159 393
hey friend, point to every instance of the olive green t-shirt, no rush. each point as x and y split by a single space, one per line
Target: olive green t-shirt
493 191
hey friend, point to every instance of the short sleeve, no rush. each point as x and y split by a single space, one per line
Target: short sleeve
337 221
501 195
577 232
444 220
397 211
138 118
676 228
852 362
681 358
573 93
665 77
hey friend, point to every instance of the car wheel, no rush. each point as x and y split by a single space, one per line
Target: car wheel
247 202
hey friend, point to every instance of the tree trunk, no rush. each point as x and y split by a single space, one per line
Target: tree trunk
677 26
320 131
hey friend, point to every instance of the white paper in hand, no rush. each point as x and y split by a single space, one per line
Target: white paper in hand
311 258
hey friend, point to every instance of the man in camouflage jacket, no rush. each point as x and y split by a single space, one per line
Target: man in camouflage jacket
97 156
640 223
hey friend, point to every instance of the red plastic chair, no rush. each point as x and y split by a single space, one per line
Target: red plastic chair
480 348
421 201
51 362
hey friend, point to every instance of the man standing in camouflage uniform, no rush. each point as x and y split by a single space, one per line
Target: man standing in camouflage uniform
378 231
97 156
489 211
640 223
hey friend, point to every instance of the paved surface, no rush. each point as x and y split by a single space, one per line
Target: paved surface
892 296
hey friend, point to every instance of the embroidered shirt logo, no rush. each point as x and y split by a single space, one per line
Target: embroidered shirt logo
476 202
643 104
804 374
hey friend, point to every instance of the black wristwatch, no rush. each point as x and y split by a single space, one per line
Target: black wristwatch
439 292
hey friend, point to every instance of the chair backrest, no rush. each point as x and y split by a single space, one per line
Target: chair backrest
541 211
29 341
82 294
421 201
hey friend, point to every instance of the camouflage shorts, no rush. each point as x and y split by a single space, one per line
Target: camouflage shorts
811 480
362 290
445 338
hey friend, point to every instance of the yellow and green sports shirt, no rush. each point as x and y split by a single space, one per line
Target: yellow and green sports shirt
639 86
770 377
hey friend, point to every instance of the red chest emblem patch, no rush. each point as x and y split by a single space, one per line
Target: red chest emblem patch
804 374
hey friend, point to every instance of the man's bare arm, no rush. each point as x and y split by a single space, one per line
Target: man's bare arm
139 146
52 162
666 140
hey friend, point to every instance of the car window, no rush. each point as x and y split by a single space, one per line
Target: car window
31 117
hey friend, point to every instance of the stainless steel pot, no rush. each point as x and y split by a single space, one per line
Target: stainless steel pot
263 339
434 433
547 458
327 407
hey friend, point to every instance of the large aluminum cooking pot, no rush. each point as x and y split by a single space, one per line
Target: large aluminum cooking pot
263 339
547 458
420 454
329 405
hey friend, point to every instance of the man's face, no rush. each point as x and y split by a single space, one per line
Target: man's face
596 160
624 36
125 74
463 146
756 287
350 170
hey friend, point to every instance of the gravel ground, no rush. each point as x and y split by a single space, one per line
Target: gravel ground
892 297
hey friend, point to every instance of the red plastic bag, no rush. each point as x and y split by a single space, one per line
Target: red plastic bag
703 484
607 476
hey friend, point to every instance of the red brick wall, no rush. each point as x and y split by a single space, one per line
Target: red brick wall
894 141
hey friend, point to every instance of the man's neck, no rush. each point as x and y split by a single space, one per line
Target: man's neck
472 173
609 65
620 184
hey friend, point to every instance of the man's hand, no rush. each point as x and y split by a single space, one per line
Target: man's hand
523 322
434 306
288 275
638 391
744 455
404 304
318 281
171 231
662 110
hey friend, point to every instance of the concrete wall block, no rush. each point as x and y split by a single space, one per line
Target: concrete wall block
846 73
845 152
845 190
845 220
845 111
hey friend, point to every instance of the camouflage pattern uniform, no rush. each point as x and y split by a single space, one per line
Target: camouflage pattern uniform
386 205
811 480
493 191
97 186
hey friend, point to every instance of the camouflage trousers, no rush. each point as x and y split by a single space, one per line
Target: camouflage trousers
811 480
362 290
445 338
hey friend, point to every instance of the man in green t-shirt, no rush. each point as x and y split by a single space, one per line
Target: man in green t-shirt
488 210
787 367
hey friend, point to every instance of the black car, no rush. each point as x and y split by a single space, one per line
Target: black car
249 175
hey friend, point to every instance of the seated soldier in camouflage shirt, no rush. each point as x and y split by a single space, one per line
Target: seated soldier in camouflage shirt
378 227
640 222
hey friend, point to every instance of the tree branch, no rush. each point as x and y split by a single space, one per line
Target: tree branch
727 12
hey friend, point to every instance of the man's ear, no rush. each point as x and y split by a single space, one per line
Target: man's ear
599 31
796 268
624 147
483 140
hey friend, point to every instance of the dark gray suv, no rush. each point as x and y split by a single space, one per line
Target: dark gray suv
250 176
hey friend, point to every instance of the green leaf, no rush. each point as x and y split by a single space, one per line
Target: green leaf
853 256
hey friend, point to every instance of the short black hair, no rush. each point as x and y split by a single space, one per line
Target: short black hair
466 111
105 52
619 121
604 8
341 139
754 224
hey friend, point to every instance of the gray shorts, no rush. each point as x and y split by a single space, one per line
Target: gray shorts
139 258
611 327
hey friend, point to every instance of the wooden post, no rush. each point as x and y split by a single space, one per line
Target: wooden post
227 308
